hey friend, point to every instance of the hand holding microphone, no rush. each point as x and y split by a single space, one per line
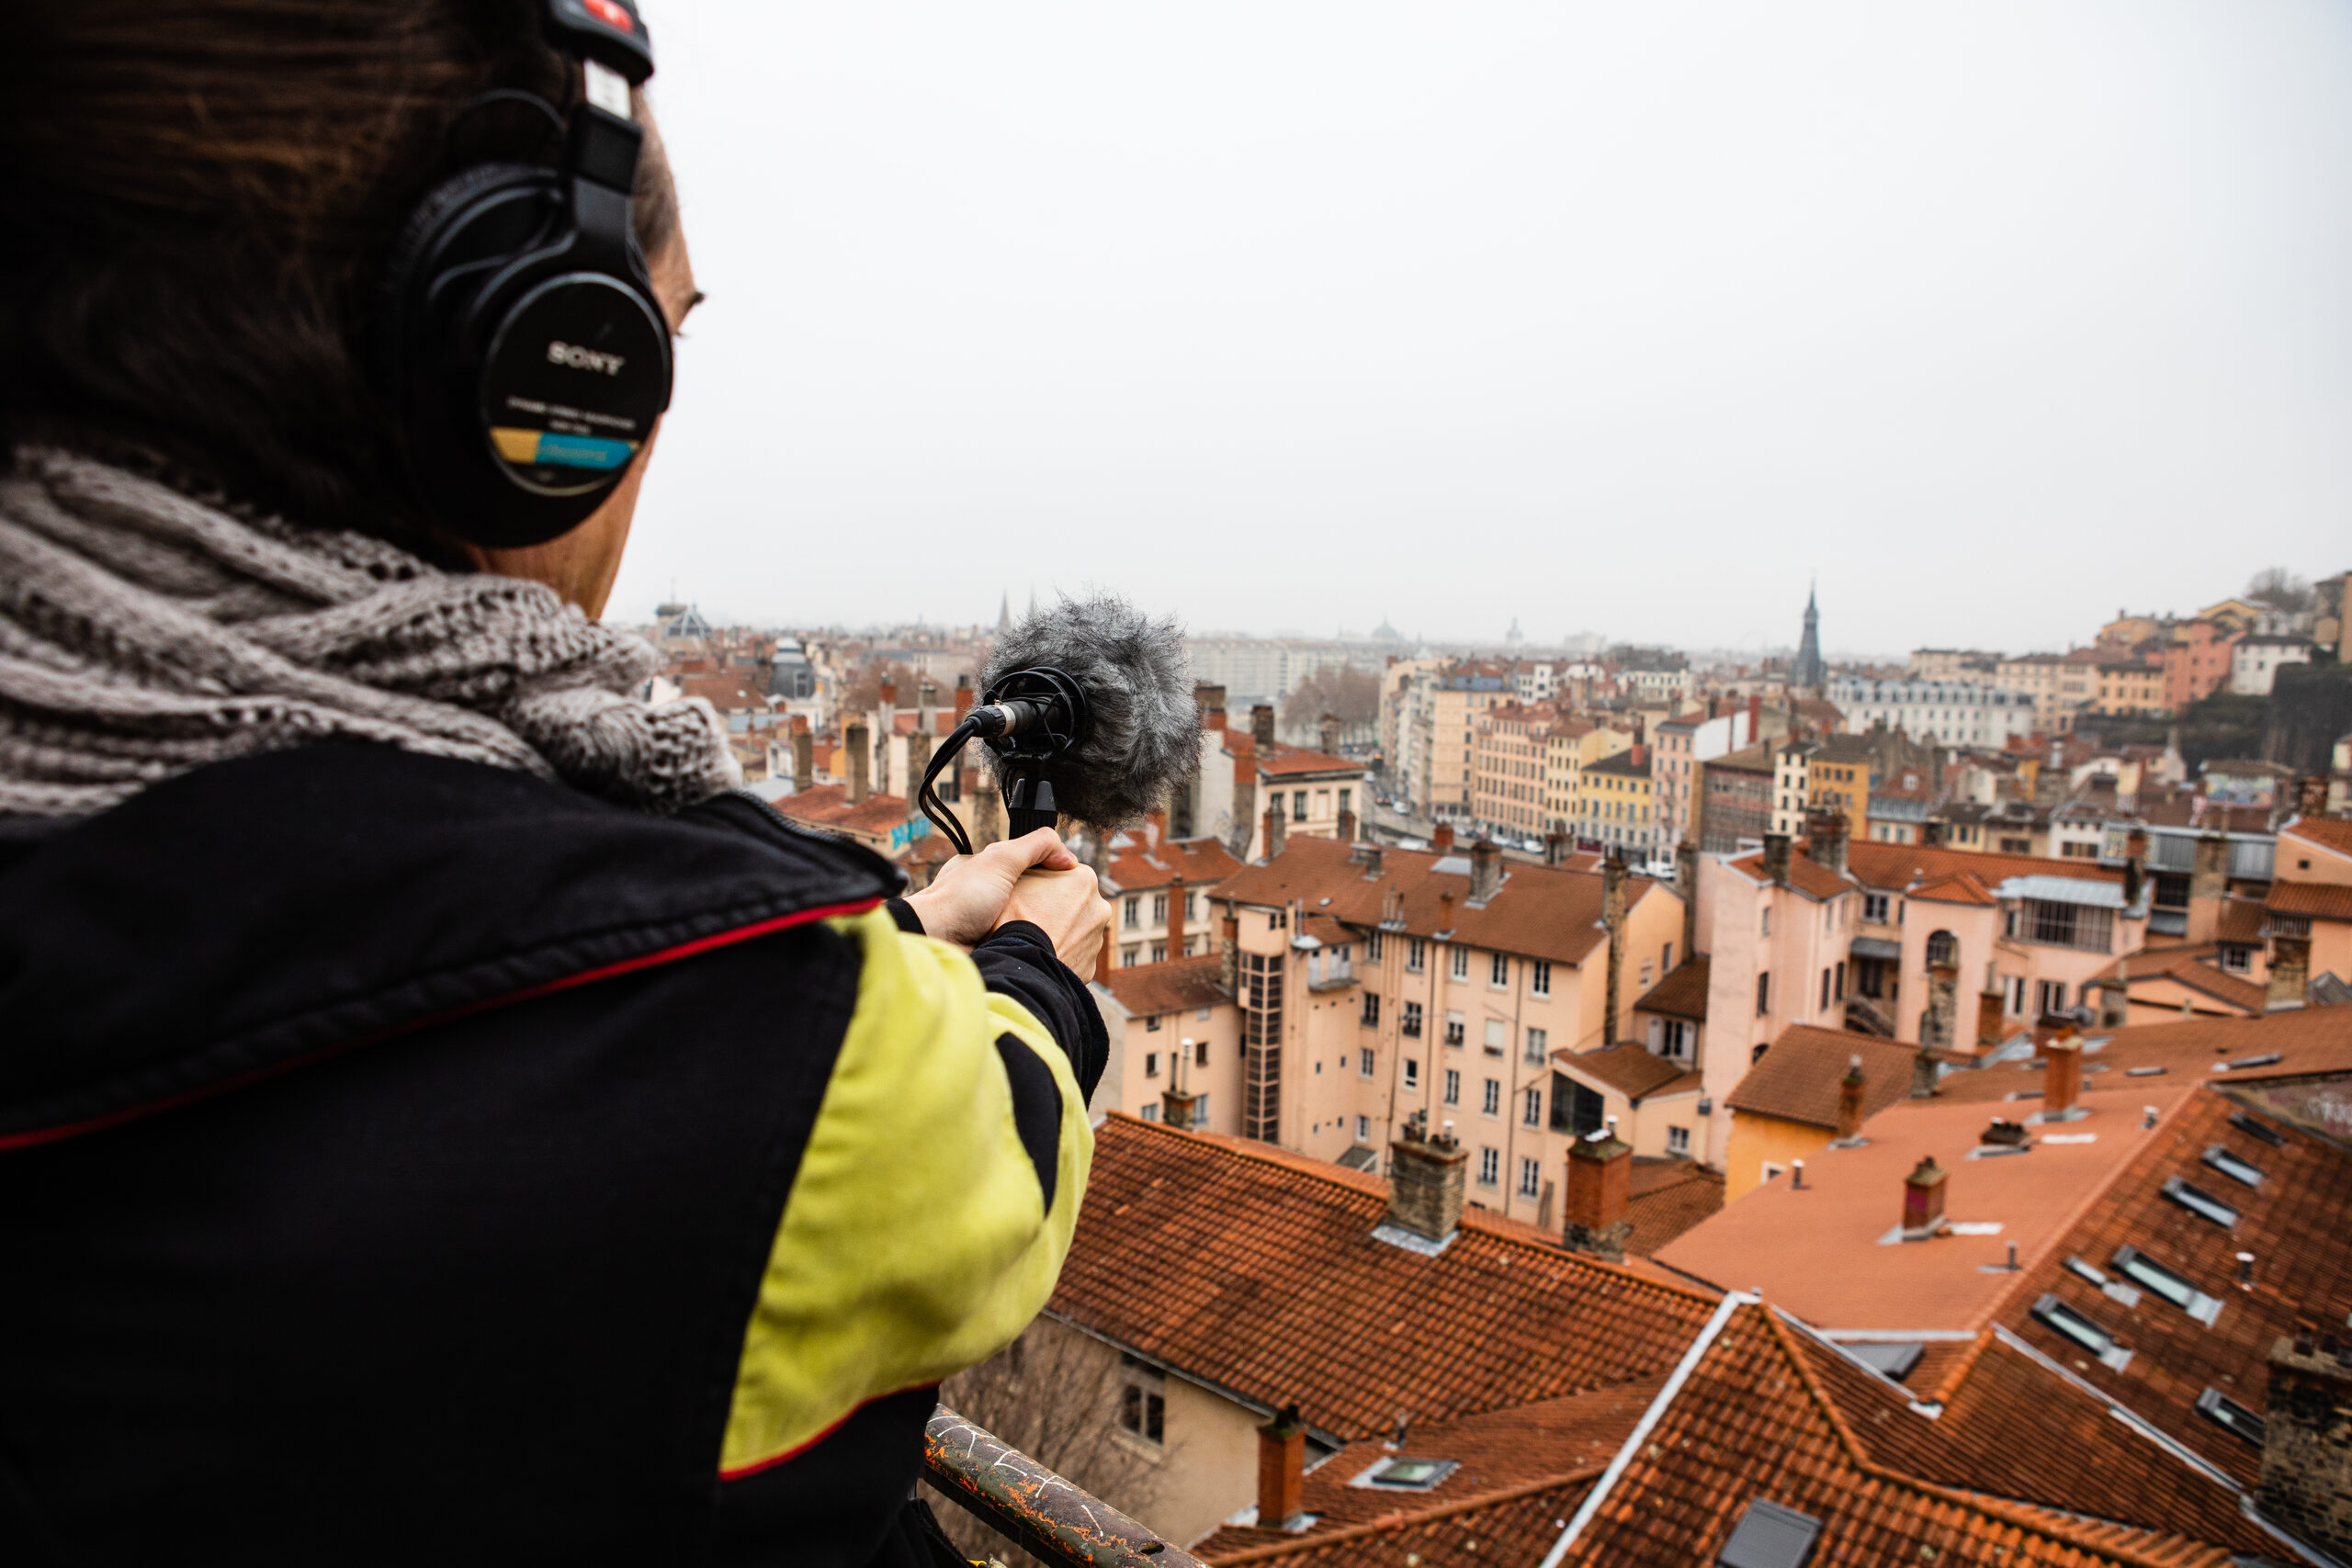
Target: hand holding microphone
1032 878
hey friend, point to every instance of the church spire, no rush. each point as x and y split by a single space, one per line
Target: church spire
1809 672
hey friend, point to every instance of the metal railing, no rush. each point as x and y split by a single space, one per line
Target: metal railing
1029 1505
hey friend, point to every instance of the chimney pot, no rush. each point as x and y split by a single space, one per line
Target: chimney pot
2061 1055
1486 870
1796 1176
1176 896
1442 837
1275 830
1282 1471
1849 1103
854 742
1599 1176
1346 829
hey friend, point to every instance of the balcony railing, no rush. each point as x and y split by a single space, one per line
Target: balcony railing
1030 1505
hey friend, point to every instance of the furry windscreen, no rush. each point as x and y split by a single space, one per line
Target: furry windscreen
1138 675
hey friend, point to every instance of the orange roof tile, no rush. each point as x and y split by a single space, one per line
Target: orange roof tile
1896 866
1258 1272
2194 967
1287 762
1547 912
1138 866
1667 1197
2241 920
1796 1079
1954 887
2327 832
1806 875
1632 1070
1175 985
824 806
1683 992
2313 900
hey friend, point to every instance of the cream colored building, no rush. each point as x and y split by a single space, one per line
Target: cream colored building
1445 747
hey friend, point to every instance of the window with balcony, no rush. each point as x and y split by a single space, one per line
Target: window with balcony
1455 1026
1409 1023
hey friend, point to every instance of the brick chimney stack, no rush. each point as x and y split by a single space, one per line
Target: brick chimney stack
1275 831
1923 1200
1282 1471
1244 821
963 696
1825 830
2306 1482
1375 856
888 701
1923 1074
2208 884
2135 861
1991 1005
2061 1055
1327 732
1755 719
855 743
1442 837
1425 1182
2290 972
1600 1168
1210 700
1776 858
1176 1106
1486 870
1228 957
1176 896
1613 918
1849 1103
1938 1020
1262 725
804 755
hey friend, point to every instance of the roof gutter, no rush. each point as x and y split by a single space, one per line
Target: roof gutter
1650 1418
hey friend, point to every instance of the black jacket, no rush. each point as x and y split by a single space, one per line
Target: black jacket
406 1160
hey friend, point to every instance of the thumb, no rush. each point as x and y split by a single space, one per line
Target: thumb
1044 850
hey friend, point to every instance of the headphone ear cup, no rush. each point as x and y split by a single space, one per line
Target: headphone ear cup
402 294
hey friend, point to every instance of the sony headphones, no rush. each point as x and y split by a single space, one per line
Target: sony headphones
522 350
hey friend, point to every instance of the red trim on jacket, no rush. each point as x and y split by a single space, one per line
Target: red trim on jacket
561 982
770 1462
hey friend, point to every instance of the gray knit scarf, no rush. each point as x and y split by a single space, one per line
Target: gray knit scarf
143 634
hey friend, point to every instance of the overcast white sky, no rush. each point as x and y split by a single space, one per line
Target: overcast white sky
1621 317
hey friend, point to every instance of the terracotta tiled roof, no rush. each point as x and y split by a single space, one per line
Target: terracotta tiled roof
1540 911
2194 967
725 693
2294 1223
1176 985
2314 900
1137 865
1755 1418
1806 875
1955 888
1283 762
1631 1070
1896 866
2241 920
2307 1041
1683 992
1510 1525
1502 1452
1667 1197
1259 1273
2327 832
823 807
1797 1078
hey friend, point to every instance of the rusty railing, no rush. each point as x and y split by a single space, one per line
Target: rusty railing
1026 1502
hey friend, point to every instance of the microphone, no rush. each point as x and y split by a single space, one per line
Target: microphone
1087 711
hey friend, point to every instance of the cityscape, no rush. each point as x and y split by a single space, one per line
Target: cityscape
1908 1099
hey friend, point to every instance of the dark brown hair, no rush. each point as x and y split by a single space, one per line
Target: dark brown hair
200 195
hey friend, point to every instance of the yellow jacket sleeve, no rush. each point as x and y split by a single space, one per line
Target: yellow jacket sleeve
916 1239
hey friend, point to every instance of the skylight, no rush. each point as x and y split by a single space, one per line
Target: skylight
1769 1535
2234 1168
2083 1271
1402 1474
2229 1415
2254 1129
2199 1201
1894 1359
2157 1280
2074 1326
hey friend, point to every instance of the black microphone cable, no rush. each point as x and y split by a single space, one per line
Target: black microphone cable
927 798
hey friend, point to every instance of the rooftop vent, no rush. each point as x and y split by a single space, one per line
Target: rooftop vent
1769 1535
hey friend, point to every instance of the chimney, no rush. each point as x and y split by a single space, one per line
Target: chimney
1327 732
1176 896
1228 957
1686 882
888 700
963 696
1262 725
1282 1471
1612 919
1176 1105
1210 701
2135 852
1599 1173
987 825
1442 837
2291 971
804 755
1425 1182
1276 830
2115 996
855 742
1849 1103
1556 847
1486 870
1922 1075
2208 884
1923 1200
918 759
1755 717
2306 1481
1776 858
1940 1016
1374 858
1244 819
1347 829
1990 1007
1826 831
2062 1078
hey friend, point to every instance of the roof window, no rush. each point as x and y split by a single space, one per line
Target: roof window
2254 1129
2234 1168
2157 1280
2199 1201
2264 1060
1769 1535
1895 1360
2065 1320
2083 1269
1401 1474
2229 1415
